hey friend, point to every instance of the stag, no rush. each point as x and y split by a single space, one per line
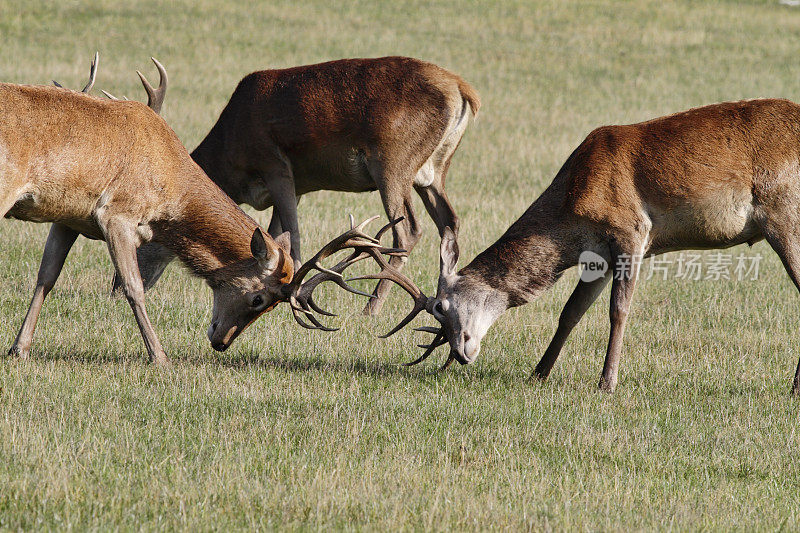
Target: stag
114 171
390 124
711 177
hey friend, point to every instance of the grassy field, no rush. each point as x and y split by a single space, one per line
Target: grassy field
307 430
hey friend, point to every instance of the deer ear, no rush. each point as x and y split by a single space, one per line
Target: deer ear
284 269
258 245
448 253
284 240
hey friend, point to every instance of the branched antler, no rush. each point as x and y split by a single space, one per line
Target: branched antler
300 294
92 74
155 97
422 302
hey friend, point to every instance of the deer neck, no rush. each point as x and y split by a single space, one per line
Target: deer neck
208 231
530 256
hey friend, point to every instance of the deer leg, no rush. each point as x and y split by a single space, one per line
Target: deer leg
788 249
59 242
404 235
281 188
152 259
581 299
122 242
434 196
626 271
275 227
438 206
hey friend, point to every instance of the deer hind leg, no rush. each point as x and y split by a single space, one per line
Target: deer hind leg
59 242
122 241
396 199
784 239
430 179
579 302
435 200
153 259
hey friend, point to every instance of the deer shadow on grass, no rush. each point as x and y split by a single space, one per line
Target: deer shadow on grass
249 359
77 356
370 368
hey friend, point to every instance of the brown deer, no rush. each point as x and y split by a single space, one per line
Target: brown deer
115 171
711 177
355 125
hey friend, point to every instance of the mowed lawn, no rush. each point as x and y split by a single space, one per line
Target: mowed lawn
309 430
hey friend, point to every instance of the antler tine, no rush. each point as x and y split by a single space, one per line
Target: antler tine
92 73
300 293
447 363
112 97
297 311
317 309
155 97
390 273
437 341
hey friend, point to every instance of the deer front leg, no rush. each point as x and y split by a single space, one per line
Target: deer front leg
59 242
579 302
626 271
280 185
153 259
122 242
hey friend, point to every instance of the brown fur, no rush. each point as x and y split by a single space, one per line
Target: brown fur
710 177
115 171
390 124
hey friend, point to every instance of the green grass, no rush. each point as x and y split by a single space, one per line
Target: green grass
307 430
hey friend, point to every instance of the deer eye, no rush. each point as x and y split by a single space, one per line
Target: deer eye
438 308
257 301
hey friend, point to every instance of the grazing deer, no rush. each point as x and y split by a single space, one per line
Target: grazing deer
115 171
711 177
355 125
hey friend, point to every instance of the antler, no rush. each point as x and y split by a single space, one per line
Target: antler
300 294
390 273
421 303
112 97
155 97
92 74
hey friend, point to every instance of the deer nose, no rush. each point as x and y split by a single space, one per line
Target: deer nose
211 329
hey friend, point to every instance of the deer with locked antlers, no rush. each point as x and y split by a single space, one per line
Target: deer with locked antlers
355 125
711 177
115 171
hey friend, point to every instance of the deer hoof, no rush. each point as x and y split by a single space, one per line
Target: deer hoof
16 351
606 385
160 360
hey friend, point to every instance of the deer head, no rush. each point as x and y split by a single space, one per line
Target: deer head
464 307
250 288
246 289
